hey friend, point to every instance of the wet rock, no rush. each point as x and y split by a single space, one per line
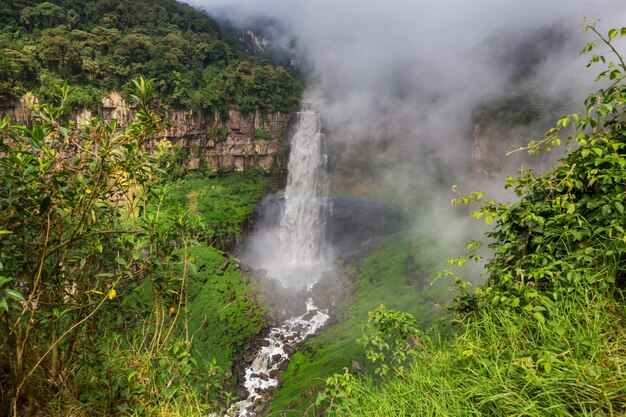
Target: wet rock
276 357
281 381
249 358
287 349
264 343
274 373
308 316
283 365
264 376
241 392
357 365
260 362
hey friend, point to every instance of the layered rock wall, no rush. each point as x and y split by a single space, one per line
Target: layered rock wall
236 144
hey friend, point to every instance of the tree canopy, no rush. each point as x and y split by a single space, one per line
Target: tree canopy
99 46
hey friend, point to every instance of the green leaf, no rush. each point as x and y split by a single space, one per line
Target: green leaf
14 294
540 318
547 366
612 34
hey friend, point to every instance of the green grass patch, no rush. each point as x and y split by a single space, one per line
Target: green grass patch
502 363
223 313
388 277
223 202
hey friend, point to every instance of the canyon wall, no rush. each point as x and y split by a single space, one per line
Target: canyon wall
235 144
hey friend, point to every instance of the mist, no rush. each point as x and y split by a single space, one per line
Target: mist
402 82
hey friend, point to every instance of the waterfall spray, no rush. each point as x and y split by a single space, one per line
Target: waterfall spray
293 248
301 233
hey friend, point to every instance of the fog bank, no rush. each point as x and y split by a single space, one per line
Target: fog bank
403 81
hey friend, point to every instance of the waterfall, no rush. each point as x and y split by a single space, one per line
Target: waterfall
301 231
289 241
295 254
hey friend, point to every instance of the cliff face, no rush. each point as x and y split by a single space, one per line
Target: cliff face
490 145
241 142
488 150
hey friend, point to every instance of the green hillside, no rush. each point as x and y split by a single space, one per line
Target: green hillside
98 46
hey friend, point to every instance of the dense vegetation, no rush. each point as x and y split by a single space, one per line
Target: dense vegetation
545 334
112 302
99 46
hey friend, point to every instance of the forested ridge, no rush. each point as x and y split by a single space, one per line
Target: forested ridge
99 46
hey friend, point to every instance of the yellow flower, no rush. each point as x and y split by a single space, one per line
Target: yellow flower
88 191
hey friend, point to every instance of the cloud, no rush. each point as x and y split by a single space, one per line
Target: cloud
401 79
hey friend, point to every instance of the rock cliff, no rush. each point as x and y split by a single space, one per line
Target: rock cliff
240 142
492 142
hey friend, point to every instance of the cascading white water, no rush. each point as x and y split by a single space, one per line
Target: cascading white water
293 250
301 232
294 254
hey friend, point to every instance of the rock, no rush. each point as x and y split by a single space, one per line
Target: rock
264 342
283 365
226 145
281 381
276 357
264 377
357 365
308 316
260 362
249 357
241 392
274 373
287 349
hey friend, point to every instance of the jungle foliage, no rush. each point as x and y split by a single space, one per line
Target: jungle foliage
110 302
99 46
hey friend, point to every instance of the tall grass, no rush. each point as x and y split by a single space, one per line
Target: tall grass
506 363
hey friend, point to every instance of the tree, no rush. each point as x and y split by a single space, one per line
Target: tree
47 15
70 193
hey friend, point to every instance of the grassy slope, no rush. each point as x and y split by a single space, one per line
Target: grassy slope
502 364
224 203
380 278
223 313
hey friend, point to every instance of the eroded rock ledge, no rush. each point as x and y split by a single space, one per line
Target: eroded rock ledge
236 144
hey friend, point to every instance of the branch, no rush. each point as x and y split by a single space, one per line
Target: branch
85 236
608 43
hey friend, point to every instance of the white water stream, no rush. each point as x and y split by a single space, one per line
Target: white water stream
300 259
